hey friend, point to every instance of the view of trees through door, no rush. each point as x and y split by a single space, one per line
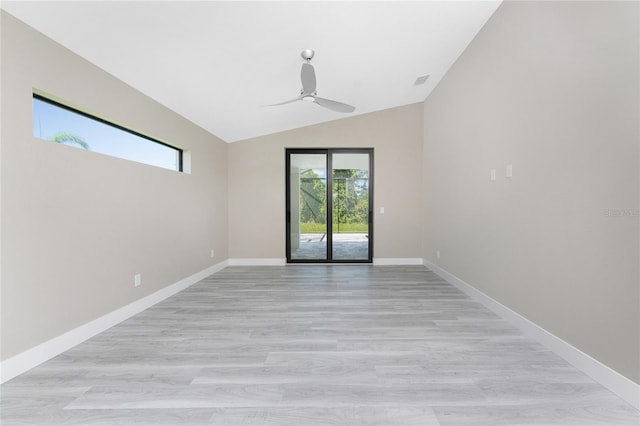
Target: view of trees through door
345 234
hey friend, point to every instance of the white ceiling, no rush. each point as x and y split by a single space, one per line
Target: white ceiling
217 63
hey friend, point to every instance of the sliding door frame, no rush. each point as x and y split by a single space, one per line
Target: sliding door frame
329 172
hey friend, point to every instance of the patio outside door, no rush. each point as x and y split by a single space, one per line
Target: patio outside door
329 205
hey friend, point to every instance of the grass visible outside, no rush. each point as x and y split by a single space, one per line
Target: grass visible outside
321 228
313 228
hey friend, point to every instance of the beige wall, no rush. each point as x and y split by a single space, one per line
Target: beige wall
76 225
257 182
552 88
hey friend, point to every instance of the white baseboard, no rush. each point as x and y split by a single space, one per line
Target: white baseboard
395 261
612 380
279 262
257 262
35 356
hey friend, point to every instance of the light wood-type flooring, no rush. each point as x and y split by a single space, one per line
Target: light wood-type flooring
312 345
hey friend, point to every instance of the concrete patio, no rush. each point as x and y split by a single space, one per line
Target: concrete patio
347 246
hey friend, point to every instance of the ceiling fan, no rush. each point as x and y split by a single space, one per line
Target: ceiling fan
308 92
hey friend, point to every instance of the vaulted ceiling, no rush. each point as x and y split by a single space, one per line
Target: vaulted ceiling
219 63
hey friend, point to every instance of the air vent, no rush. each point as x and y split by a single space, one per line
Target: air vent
421 79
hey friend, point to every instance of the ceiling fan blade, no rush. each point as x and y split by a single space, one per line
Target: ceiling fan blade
333 105
286 102
308 77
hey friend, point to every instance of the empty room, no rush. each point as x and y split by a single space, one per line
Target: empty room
320 213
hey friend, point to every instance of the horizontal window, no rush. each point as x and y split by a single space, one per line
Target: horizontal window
56 122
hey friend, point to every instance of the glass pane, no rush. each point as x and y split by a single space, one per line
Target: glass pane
350 176
308 192
54 123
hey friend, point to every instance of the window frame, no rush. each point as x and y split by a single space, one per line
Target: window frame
61 105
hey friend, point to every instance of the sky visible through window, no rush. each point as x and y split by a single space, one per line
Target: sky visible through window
49 120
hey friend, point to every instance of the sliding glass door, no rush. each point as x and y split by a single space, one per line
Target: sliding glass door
350 206
329 205
307 223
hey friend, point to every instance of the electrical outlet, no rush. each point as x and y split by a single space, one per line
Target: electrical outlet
508 171
492 174
438 254
212 253
137 280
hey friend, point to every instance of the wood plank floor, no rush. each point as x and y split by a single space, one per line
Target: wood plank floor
312 345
